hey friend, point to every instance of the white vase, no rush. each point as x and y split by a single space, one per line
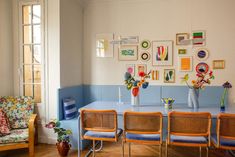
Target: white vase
193 96
135 100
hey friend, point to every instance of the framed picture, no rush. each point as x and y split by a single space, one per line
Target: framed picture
180 37
182 51
202 68
218 64
145 44
199 38
169 75
142 67
185 63
131 69
103 46
126 40
145 56
128 53
202 54
155 74
162 53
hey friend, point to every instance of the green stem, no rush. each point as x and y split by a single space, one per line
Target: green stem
223 97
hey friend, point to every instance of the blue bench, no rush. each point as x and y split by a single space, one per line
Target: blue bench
85 94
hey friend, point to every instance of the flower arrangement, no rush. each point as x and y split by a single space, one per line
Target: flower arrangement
202 79
226 86
62 134
134 84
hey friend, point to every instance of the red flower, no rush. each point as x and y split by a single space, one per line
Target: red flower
141 74
211 74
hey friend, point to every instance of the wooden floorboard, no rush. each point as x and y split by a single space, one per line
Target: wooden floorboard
114 150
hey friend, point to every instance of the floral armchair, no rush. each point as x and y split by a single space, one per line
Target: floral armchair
19 111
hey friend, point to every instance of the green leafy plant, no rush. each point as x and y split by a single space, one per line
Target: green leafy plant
62 134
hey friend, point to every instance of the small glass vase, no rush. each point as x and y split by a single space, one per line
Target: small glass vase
135 100
193 96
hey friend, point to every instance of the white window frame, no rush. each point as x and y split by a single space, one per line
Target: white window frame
43 60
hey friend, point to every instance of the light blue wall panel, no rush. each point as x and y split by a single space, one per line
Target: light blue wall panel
179 93
75 92
211 95
151 95
91 93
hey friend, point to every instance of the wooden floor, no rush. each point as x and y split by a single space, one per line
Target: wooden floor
114 150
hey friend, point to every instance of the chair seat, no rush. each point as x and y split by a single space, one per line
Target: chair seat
146 137
103 134
223 141
188 139
16 136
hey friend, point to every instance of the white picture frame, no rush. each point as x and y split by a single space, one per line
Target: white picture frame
103 46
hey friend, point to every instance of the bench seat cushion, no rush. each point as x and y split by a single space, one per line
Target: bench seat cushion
223 141
146 137
16 135
188 139
18 110
103 134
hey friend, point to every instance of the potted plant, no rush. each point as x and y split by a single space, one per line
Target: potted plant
63 139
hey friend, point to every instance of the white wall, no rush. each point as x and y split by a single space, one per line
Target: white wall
6 53
71 18
158 20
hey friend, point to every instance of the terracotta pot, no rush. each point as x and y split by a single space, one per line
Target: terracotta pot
63 148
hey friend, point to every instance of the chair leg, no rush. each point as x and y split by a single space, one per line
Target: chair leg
166 150
207 152
123 148
129 150
31 149
160 150
200 151
93 154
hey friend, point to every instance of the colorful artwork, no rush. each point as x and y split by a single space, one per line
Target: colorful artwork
182 51
180 37
142 68
202 54
128 52
202 68
162 52
169 75
199 38
155 74
145 56
130 68
218 64
185 63
103 46
145 44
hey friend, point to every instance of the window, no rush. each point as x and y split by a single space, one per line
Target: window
31 50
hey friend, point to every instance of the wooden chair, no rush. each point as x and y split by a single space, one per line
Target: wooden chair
100 125
225 132
142 128
190 129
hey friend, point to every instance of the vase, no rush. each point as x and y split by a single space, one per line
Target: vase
135 100
193 95
63 148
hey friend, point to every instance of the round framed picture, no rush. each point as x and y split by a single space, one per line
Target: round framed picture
202 68
145 56
202 54
145 44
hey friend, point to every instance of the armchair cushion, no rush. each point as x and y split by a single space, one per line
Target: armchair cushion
18 110
16 135
5 126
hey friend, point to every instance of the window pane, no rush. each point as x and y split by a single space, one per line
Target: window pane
36 13
36 33
28 74
27 34
26 14
37 73
37 54
28 90
27 54
37 93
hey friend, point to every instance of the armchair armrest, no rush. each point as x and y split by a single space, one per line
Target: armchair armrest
32 125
